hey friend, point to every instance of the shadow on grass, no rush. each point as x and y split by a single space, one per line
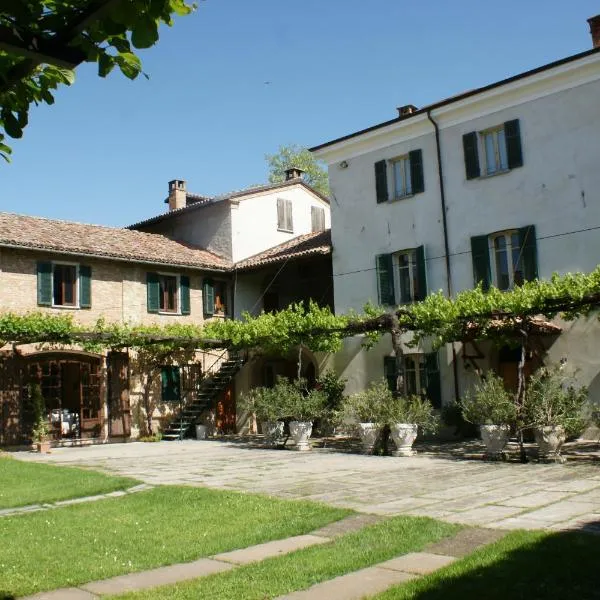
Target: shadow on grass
523 565
7 596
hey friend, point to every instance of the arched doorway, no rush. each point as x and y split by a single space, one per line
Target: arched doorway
71 386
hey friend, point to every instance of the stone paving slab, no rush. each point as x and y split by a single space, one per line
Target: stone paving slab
535 499
417 563
353 586
63 594
270 549
347 525
465 541
561 511
483 515
155 577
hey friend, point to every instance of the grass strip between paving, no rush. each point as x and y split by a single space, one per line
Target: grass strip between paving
524 564
301 569
25 483
71 545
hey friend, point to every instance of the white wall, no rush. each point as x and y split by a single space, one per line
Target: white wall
254 219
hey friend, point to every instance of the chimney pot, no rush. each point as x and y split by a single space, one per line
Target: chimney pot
293 173
177 194
407 109
595 30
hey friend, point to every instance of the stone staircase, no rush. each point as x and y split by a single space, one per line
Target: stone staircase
203 399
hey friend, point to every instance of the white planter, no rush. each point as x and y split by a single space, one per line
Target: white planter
201 432
404 436
494 437
550 440
272 431
368 433
300 432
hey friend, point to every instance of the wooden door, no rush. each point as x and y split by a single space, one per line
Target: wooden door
119 412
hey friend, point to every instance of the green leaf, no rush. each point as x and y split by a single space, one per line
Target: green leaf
67 76
144 33
11 124
106 63
129 64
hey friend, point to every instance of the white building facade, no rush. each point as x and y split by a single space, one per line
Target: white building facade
496 185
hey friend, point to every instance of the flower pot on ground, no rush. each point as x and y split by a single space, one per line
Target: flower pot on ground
554 407
301 432
365 409
272 431
40 434
491 407
405 416
266 405
201 432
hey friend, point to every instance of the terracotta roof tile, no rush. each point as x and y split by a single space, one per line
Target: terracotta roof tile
309 244
109 242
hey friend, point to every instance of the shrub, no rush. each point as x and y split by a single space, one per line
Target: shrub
412 409
262 401
333 387
489 403
552 398
453 417
41 429
369 405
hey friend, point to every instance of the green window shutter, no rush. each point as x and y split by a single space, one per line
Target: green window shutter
385 279
85 286
416 171
208 297
472 169
480 253
434 384
170 384
44 283
389 372
528 245
421 291
514 152
381 186
153 292
184 291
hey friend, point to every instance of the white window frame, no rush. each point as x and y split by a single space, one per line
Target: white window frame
412 274
178 280
67 264
500 168
419 369
507 235
406 189
286 202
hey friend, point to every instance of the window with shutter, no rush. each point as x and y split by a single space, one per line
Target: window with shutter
208 297
480 255
416 171
152 292
184 293
381 186
514 151
285 220
410 275
170 377
385 279
528 245
471 153
44 283
317 218
85 286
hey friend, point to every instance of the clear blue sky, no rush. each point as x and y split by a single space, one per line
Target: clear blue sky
104 152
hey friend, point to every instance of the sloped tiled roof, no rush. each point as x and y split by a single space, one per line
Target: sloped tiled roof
37 233
309 244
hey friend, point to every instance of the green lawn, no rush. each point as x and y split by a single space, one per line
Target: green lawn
523 565
75 544
299 570
23 483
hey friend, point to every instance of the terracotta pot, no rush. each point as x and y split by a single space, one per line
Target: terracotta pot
272 431
404 436
550 440
301 432
368 432
494 437
43 447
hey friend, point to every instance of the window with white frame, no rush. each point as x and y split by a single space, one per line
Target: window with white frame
493 142
402 176
64 285
420 376
506 259
407 281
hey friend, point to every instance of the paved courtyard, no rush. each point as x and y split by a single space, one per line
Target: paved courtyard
499 495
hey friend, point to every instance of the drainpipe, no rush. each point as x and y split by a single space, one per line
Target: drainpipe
446 242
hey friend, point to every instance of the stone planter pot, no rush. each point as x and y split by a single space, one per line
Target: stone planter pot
272 431
300 432
43 447
368 432
201 432
550 440
404 436
494 437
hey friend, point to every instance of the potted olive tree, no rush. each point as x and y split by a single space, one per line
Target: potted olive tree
491 407
301 406
405 416
40 434
554 408
366 410
263 402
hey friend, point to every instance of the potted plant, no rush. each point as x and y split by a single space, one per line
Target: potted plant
301 406
366 410
263 402
554 408
40 433
491 407
405 415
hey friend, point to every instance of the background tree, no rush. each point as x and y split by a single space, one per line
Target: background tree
296 156
42 41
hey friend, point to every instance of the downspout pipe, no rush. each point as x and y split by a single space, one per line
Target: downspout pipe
449 286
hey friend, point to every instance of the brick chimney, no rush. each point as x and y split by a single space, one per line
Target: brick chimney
595 30
407 109
177 194
293 173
